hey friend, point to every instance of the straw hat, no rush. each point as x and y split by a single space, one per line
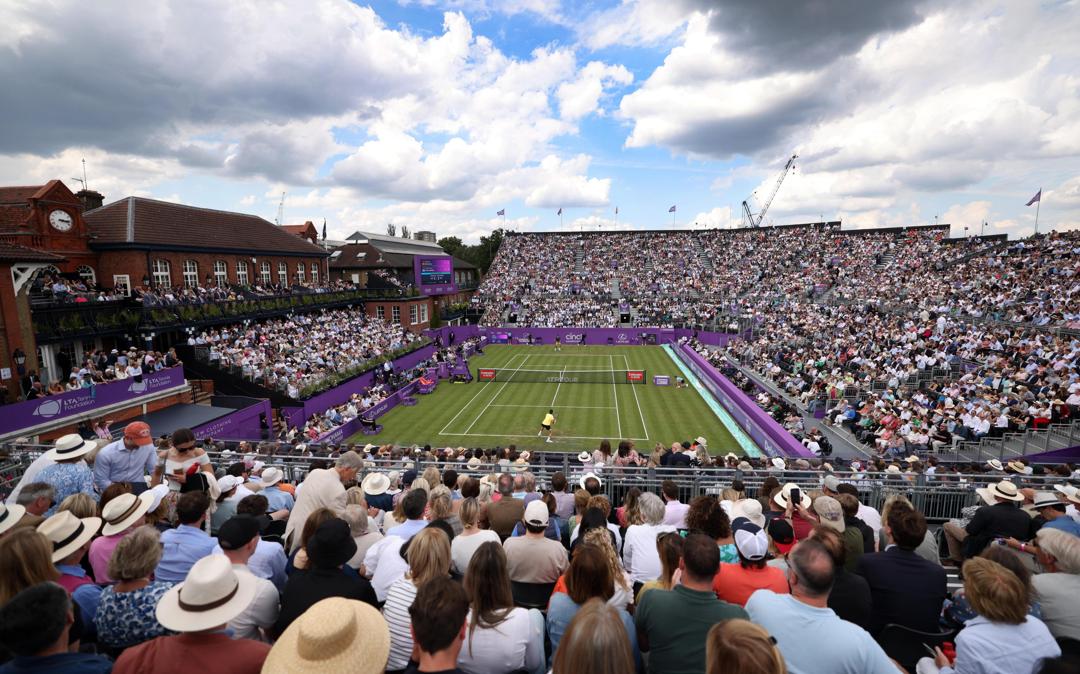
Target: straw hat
473 463
123 511
211 595
1000 490
1045 499
778 463
1067 489
334 636
271 476
781 497
701 441
745 466
584 457
10 515
586 476
750 508
520 465
68 533
995 464
70 446
1017 467
730 455
893 469
375 484
912 459
159 492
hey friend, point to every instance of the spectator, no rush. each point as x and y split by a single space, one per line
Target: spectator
802 520
1002 519
36 499
869 515
858 536
199 609
594 643
328 549
122 515
125 614
1059 584
35 627
439 616
180 461
25 561
239 538
603 505
709 517
428 554
534 558
502 515
70 474
640 555
850 597
322 488
332 635
674 510
269 560
741 647
669 549
228 499
129 459
276 498
384 563
736 582
70 537
10 516
958 609
589 576
1003 638
809 635
188 542
672 624
472 537
363 532
564 502
500 637
1054 513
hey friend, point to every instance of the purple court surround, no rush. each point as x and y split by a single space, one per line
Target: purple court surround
243 424
588 336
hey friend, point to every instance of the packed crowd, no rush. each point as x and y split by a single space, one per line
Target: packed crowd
301 354
129 558
98 366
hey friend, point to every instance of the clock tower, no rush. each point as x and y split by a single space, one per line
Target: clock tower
48 218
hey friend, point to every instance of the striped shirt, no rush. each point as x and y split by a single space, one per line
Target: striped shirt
396 612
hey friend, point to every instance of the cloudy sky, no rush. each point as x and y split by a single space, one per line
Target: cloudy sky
436 114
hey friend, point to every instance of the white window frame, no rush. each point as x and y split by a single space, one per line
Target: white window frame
380 312
300 275
424 313
221 273
87 273
191 273
160 273
395 313
242 272
283 274
414 313
264 274
122 281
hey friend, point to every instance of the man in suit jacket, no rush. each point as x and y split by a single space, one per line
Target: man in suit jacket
905 588
1003 519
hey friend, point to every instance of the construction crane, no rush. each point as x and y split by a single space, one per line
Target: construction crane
756 220
281 210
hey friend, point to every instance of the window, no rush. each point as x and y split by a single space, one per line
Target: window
191 273
161 276
264 276
380 311
283 274
423 313
396 313
122 284
300 273
314 272
221 274
87 275
413 313
241 272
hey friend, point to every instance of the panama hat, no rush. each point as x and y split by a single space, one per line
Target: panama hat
1044 499
68 533
271 476
731 455
586 476
334 636
912 459
211 595
778 463
995 464
1000 490
750 508
227 483
121 512
584 457
701 441
781 497
745 466
10 515
473 463
893 469
1068 490
70 446
375 484
524 456
158 493
520 465
1017 467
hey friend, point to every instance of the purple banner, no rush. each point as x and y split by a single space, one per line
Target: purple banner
84 402
353 427
243 424
434 275
661 380
762 429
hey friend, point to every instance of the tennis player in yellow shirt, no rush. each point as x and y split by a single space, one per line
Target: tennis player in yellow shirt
546 424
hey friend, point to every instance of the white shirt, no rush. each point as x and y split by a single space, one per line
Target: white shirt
383 561
640 556
870 516
984 647
30 476
675 514
516 643
464 547
261 613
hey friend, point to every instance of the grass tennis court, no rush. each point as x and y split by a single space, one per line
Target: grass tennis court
504 411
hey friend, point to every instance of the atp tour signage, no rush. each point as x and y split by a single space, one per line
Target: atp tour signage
86 401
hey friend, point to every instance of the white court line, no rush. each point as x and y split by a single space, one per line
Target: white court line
560 437
615 392
557 388
636 401
576 407
482 389
494 397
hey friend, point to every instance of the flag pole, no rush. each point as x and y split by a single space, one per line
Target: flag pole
1037 205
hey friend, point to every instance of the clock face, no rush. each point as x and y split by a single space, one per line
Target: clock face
61 220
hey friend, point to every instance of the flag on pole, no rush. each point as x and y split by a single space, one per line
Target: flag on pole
324 229
671 210
560 212
501 212
1037 197
616 210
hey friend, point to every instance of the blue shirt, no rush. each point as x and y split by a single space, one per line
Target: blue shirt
985 647
1064 523
68 479
116 463
61 663
408 529
87 596
180 549
268 561
278 500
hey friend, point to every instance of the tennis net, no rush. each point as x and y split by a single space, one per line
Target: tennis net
512 375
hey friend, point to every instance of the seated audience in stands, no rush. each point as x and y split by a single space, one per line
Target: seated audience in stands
736 582
535 558
239 538
739 646
639 553
126 613
428 555
34 628
188 542
439 622
1058 585
850 597
335 634
594 642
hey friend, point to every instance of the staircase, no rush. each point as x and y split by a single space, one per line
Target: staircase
202 390
885 261
706 261
579 261
616 292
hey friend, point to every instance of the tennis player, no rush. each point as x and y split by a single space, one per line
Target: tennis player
546 424
558 344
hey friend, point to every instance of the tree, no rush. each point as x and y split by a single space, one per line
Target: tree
452 245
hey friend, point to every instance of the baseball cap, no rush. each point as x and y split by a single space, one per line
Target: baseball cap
138 432
536 514
782 535
750 540
237 532
830 512
831 482
408 477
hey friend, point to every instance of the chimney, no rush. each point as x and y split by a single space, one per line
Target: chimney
90 199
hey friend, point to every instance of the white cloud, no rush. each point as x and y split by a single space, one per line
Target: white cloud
582 96
720 217
636 23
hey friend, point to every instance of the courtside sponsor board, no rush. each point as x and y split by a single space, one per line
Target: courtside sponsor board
635 375
661 380
486 374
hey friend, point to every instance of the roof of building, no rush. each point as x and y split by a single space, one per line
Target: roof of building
393 244
301 230
12 252
15 202
363 255
148 222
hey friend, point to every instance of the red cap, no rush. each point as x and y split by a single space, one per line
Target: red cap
138 430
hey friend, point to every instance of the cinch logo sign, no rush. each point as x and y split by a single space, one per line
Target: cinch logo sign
635 375
486 374
572 338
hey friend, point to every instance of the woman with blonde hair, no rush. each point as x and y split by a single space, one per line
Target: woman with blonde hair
595 642
740 647
441 507
428 555
465 545
581 503
623 588
25 560
80 505
125 615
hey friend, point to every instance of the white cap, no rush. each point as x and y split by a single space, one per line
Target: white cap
536 514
